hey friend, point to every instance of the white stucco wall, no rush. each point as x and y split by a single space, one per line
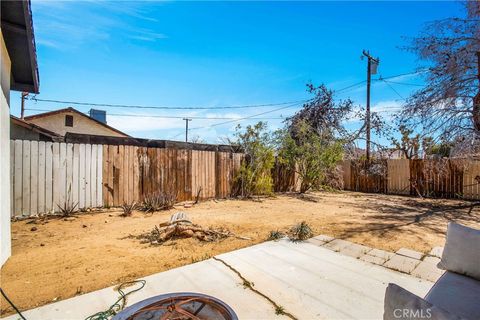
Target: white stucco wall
56 123
5 237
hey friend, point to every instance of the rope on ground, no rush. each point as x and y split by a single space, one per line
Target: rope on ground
11 303
278 308
119 305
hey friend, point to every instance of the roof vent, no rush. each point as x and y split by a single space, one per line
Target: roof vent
99 115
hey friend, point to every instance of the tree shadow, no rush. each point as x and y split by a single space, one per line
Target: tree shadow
404 213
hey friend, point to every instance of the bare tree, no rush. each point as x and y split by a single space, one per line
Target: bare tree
444 107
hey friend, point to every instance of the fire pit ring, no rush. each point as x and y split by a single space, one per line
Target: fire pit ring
178 306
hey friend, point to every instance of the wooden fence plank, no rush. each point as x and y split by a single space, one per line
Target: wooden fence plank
99 187
41 177
33 178
63 175
70 189
88 183
111 174
81 177
18 178
128 175
121 175
116 176
56 176
26 178
76 175
105 165
93 176
49 177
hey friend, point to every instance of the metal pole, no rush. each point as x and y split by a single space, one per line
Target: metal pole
186 128
22 110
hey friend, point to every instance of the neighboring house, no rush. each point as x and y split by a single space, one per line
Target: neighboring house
71 120
22 130
390 153
18 72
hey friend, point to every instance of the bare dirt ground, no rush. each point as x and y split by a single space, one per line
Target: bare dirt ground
61 259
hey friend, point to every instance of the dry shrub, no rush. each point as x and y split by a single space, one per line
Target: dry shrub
159 200
275 235
128 209
300 232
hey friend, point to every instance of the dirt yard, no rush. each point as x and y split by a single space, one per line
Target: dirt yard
61 259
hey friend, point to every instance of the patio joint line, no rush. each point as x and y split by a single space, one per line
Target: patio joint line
278 308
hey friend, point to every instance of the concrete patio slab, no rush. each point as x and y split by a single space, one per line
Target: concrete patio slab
372 259
337 244
437 252
410 253
428 271
309 281
209 277
432 260
402 263
355 250
316 283
316 242
381 254
324 238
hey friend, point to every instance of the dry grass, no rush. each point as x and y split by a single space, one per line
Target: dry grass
63 258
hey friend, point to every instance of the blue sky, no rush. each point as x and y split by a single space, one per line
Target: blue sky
215 54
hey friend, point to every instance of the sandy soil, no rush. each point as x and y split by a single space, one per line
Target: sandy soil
62 258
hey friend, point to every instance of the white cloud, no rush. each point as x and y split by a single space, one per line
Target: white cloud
386 109
61 24
140 124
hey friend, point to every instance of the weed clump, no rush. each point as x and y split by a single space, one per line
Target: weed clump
128 209
159 200
275 235
300 232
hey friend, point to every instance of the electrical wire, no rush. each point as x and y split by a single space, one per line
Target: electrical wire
393 89
405 84
163 117
91 104
238 119
244 118
13 305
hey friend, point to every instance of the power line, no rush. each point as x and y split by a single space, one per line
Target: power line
94 104
91 104
404 84
164 117
393 89
351 86
240 119
249 117
402 74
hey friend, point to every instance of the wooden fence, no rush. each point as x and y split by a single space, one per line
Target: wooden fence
45 175
445 178
131 172
48 175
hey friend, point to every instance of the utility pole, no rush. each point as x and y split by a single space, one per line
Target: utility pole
22 110
371 69
186 128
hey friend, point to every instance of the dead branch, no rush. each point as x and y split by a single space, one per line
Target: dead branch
180 227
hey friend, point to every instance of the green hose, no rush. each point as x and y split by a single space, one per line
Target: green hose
119 305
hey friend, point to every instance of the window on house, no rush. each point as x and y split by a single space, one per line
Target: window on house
68 121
